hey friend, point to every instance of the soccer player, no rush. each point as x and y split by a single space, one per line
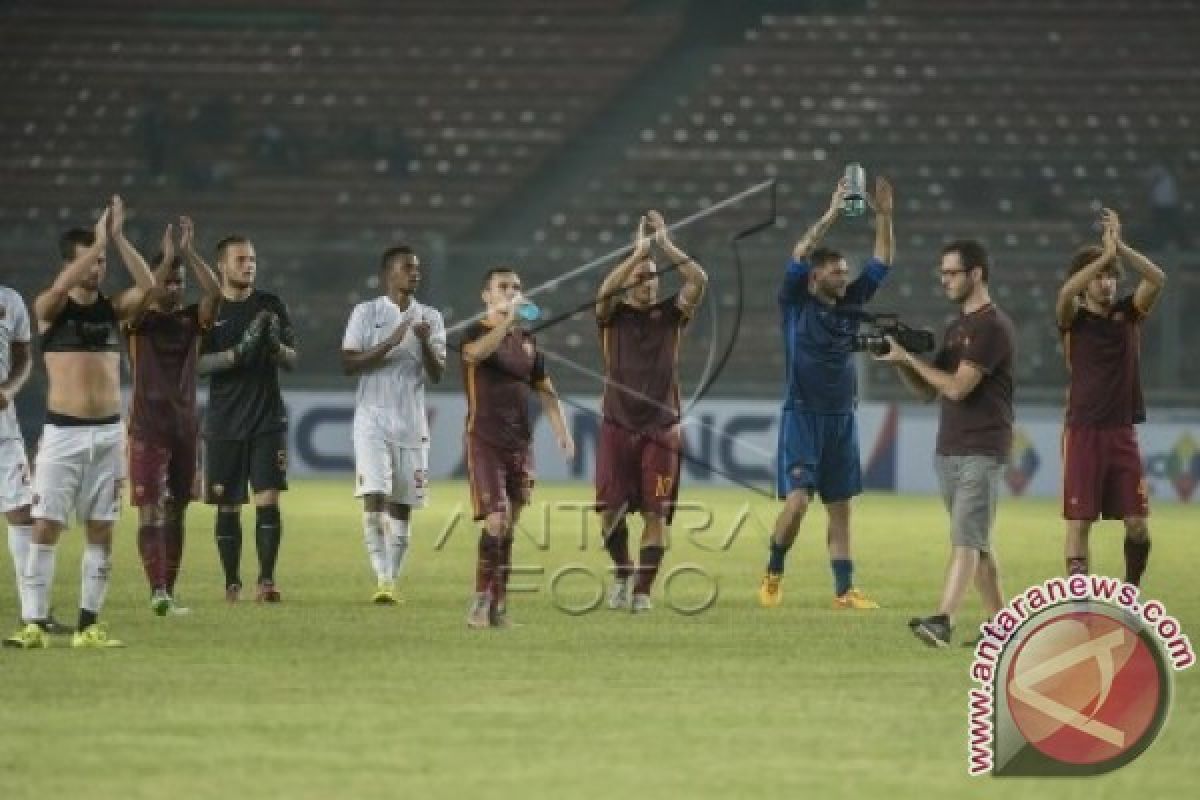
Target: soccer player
1102 466
80 459
245 425
164 339
972 376
16 362
818 435
637 463
396 345
501 363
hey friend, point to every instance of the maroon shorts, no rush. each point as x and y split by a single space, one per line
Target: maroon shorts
499 478
1102 474
639 471
160 472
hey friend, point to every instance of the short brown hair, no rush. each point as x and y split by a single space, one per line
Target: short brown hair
76 237
1086 255
230 241
493 272
971 253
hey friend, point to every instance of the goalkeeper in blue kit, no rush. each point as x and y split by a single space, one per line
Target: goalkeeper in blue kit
818 437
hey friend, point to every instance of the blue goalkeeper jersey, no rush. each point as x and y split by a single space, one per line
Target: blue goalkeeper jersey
817 338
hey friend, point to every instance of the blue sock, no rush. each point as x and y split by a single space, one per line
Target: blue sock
778 554
843 575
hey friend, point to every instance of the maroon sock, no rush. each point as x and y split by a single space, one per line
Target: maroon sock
647 570
154 557
485 565
503 569
617 545
174 548
1077 565
1137 553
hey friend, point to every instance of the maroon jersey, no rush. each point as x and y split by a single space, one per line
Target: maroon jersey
1102 352
641 359
498 388
162 352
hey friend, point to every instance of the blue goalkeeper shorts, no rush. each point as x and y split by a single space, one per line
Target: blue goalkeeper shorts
818 452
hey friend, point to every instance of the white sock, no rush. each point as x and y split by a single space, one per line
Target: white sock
19 539
36 581
397 546
373 536
96 567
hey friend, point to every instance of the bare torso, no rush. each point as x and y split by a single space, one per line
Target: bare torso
84 385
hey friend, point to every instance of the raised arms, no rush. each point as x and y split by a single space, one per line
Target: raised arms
884 206
695 280
813 236
611 288
49 304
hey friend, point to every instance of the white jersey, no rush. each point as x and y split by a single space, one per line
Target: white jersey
14 327
393 394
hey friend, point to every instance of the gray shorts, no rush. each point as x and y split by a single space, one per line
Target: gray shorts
970 488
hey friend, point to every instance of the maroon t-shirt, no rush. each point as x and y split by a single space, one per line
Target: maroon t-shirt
162 355
641 375
498 388
980 423
1103 357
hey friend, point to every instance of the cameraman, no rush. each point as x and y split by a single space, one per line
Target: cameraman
972 374
818 438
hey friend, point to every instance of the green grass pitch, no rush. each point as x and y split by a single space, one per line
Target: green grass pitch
327 696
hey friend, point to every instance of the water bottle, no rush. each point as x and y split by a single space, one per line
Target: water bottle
527 310
855 204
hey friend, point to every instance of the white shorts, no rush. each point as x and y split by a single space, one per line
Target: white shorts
380 467
80 469
15 489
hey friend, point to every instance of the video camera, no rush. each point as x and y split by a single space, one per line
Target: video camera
915 340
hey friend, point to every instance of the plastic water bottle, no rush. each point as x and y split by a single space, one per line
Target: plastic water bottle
855 204
527 310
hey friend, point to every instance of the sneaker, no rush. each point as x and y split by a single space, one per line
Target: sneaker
934 631
55 628
640 604
770 591
160 602
177 610
498 617
30 637
95 636
479 615
267 592
385 594
618 594
233 593
854 598
50 625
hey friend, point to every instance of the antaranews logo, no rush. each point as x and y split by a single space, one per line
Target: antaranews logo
1074 678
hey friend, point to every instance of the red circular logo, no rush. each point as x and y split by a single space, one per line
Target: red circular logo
1084 688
